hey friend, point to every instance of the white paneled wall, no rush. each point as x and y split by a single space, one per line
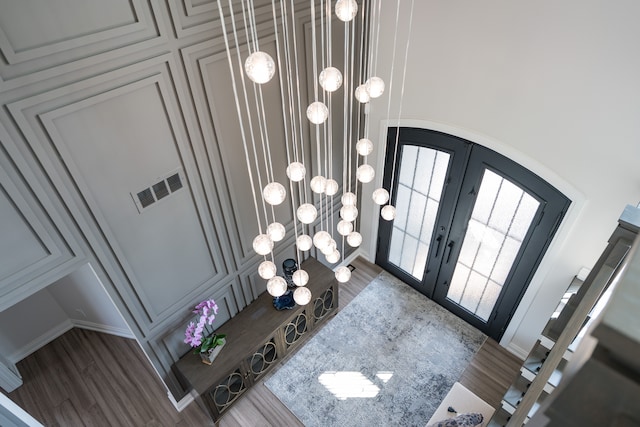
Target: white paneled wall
100 102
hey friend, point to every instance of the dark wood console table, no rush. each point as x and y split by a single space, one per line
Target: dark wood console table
257 339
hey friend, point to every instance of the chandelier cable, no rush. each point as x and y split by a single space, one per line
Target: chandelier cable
375 51
349 100
404 75
238 108
299 104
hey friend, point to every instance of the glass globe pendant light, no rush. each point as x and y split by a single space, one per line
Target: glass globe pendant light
364 147
306 213
349 213
274 193
321 239
300 277
296 171
317 113
267 270
343 274
380 196
260 67
330 79
354 239
302 296
365 173
375 87
276 231
318 184
332 187
362 95
276 286
349 199
304 242
333 257
262 244
346 10
330 247
388 212
344 227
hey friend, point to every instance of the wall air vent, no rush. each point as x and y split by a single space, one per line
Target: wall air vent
163 187
145 197
160 189
175 183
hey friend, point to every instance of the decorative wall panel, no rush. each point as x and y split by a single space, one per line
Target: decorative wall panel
31 245
22 245
219 94
118 141
194 16
211 83
104 102
27 248
191 17
63 31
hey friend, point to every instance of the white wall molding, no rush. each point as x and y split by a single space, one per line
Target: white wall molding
13 415
50 51
33 228
105 329
517 350
40 341
10 378
61 329
182 403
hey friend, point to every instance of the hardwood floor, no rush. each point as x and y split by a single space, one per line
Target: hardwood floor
85 378
491 372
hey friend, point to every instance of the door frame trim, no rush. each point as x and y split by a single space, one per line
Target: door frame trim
578 202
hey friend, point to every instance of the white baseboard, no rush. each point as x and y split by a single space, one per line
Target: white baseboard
351 257
182 403
18 416
59 330
517 350
10 378
40 341
105 329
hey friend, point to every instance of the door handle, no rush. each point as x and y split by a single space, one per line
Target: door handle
450 247
439 240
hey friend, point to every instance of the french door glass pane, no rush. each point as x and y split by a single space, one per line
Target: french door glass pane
420 183
501 217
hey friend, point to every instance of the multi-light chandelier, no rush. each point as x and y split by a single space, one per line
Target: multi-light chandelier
255 68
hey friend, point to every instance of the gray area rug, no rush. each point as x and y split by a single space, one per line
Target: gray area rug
387 359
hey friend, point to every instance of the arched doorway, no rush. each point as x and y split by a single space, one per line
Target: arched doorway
471 225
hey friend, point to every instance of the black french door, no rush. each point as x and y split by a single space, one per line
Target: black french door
471 225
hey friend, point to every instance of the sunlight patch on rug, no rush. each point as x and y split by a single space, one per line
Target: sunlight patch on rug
388 358
345 385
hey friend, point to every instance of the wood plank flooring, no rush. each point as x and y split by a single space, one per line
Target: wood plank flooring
85 378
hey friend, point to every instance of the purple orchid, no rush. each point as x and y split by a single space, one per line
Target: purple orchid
198 335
